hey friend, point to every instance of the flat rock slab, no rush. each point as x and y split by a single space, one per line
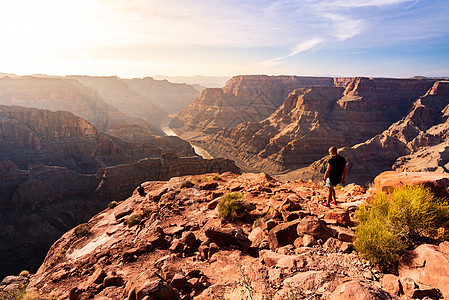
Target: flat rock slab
390 180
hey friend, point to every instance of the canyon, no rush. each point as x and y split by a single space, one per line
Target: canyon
286 139
242 99
80 154
58 170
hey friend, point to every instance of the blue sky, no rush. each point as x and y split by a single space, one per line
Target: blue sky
136 38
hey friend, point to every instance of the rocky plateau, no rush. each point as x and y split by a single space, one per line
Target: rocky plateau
169 243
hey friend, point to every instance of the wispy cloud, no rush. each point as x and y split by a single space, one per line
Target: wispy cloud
301 47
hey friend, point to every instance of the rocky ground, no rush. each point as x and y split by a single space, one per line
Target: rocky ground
170 244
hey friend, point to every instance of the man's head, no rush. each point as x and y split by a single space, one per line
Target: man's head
333 151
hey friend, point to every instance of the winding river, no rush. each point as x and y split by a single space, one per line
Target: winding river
168 131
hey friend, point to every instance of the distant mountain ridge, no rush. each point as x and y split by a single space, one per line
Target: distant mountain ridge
167 96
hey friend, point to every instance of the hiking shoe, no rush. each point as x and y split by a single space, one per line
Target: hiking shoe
333 203
325 204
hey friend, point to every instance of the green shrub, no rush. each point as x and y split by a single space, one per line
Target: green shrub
257 223
13 294
135 219
82 230
231 205
393 223
216 177
112 204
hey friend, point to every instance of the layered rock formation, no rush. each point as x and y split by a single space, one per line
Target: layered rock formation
60 138
57 170
418 142
39 204
117 93
314 118
243 99
168 96
170 244
66 94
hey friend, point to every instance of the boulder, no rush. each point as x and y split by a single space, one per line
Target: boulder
359 290
290 205
313 226
428 265
308 240
157 289
179 281
188 238
283 234
332 245
344 234
339 215
208 185
177 246
113 281
438 183
257 236
228 235
417 290
391 284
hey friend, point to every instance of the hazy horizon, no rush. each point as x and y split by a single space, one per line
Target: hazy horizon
139 38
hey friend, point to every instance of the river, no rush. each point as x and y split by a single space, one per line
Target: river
168 131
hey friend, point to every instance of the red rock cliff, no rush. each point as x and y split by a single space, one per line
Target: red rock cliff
315 118
243 99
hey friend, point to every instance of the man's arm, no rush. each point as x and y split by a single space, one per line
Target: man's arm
344 174
328 171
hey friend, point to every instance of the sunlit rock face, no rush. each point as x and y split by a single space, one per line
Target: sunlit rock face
314 118
249 98
417 142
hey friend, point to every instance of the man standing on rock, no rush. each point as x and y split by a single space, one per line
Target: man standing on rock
335 173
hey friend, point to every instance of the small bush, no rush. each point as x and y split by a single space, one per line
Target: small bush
216 177
112 204
186 184
13 294
35 296
82 230
257 223
395 222
135 219
24 273
231 205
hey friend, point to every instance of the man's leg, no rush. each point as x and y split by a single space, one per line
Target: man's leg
333 196
329 196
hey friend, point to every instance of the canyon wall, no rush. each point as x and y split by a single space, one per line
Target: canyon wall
169 97
57 170
417 142
249 98
29 135
66 94
314 118
117 93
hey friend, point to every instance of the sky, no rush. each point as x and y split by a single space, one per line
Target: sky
138 38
